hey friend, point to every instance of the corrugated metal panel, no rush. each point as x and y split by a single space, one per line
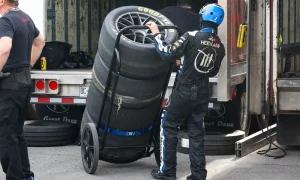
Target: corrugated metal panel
77 22
289 27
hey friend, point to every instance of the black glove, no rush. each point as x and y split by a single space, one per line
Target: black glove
4 75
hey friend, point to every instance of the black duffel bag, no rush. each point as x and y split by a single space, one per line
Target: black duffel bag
55 53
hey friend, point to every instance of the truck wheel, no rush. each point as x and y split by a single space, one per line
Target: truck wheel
46 133
60 113
244 122
132 91
214 144
231 116
140 59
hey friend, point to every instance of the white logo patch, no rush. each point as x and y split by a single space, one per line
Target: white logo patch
205 59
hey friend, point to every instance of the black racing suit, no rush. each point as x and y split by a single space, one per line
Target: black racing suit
15 94
179 16
203 53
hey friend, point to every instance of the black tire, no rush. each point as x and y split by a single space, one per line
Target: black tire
244 123
134 92
214 144
45 133
60 113
119 155
139 61
231 115
123 118
90 147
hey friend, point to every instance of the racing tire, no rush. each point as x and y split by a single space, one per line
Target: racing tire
49 134
214 144
139 60
119 155
122 117
134 93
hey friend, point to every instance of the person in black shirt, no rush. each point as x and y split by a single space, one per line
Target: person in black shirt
184 17
203 52
20 46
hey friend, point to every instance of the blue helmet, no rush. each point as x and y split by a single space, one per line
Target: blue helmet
213 13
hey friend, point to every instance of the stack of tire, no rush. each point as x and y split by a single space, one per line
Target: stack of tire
52 125
140 86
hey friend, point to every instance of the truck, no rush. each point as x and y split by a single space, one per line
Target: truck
78 22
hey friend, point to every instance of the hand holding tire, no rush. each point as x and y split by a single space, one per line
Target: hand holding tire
153 27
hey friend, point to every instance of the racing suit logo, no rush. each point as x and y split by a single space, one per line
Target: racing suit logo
205 59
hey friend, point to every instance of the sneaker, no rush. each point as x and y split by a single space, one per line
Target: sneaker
30 178
156 174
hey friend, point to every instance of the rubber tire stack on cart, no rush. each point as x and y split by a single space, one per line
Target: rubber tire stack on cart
138 93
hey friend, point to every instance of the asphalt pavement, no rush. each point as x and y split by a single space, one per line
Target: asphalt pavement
64 163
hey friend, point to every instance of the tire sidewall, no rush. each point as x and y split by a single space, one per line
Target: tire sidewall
110 22
138 61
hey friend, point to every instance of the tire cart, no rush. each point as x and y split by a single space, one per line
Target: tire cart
90 148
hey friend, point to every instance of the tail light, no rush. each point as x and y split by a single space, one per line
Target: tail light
53 85
40 85
45 86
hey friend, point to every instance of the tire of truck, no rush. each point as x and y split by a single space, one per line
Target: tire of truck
237 110
134 93
49 134
214 144
139 58
60 113
231 116
244 123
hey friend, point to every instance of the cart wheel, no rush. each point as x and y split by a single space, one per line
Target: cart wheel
90 148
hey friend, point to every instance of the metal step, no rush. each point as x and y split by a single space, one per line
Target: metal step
255 141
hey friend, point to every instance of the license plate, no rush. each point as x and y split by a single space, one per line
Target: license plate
184 143
84 90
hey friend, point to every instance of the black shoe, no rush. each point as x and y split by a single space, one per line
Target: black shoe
189 177
156 174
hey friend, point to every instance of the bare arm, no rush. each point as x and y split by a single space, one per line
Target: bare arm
6 36
37 48
5 47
